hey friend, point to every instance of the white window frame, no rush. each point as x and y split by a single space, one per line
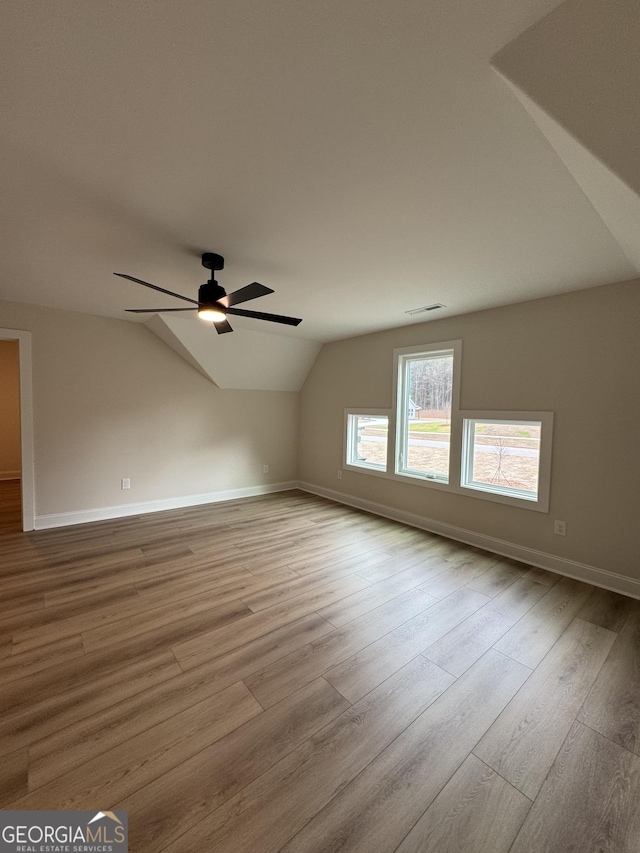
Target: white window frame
401 359
349 438
506 495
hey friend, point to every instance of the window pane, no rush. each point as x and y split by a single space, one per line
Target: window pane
367 441
427 415
505 456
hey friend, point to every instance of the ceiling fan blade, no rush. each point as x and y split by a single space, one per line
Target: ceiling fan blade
223 327
155 287
251 291
156 310
258 315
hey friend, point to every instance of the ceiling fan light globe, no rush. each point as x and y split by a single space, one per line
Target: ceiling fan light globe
212 314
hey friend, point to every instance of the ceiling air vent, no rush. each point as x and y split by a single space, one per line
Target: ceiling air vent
424 308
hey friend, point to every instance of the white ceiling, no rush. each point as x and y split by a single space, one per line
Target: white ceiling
361 158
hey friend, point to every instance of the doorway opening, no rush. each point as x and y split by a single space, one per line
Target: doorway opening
17 510
10 450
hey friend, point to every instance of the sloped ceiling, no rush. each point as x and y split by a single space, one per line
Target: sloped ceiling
362 159
246 360
573 72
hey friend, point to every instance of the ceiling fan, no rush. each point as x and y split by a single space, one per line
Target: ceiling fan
213 302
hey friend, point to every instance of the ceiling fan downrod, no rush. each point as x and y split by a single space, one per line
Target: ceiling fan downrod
210 292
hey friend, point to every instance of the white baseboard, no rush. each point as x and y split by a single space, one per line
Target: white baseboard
560 565
84 516
10 475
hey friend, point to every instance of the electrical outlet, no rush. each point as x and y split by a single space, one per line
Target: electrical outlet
125 483
339 475
560 528
265 469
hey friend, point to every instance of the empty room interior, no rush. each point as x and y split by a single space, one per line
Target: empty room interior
319 425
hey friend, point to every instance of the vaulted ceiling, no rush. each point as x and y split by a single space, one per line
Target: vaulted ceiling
361 158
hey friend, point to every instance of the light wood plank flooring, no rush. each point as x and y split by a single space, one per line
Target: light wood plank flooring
287 674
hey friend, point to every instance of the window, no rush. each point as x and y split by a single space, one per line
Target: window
427 396
497 456
367 434
507 456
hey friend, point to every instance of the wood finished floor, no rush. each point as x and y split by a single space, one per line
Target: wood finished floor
284 673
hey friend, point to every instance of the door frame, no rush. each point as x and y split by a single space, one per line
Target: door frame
26 424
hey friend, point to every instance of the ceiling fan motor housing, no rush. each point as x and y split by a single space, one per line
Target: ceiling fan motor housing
210 292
